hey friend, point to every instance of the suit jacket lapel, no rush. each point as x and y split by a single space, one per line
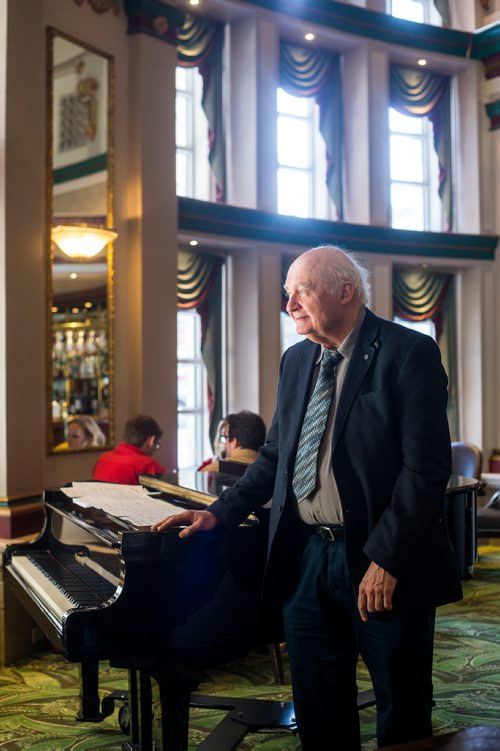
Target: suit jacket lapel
362 358
305 369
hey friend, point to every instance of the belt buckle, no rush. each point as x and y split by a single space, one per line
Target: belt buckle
326 533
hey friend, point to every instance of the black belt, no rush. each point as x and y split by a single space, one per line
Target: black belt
329 532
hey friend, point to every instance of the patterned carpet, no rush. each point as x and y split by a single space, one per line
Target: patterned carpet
39 697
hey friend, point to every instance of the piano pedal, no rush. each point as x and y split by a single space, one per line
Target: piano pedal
124 718
107 709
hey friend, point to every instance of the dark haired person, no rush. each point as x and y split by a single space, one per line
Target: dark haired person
242 434
134 456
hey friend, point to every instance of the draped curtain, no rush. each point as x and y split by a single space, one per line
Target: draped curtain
199 285
316 73
201 45
443 8
419 296
422 93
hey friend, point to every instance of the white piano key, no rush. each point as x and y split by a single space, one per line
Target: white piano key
55 600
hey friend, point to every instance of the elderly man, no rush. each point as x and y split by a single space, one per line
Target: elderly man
357 461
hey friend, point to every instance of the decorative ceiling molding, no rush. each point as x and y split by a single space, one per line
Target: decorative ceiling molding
155 18
221 220
486 44
384 27
102 6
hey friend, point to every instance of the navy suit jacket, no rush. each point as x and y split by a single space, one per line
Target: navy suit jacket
391 456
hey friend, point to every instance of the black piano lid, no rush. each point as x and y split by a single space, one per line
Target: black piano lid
95 520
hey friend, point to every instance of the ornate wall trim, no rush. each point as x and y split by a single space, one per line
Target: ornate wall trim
492 66
154 18
20 515
102 6
493 112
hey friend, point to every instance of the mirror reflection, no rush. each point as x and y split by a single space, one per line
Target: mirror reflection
80 410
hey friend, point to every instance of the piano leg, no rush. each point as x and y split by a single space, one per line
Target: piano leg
175 685
140 704
90 706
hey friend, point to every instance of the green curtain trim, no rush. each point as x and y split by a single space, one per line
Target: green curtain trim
304 72
415 91
195 275
196 40
418 295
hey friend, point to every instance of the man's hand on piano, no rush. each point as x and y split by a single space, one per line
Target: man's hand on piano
191 521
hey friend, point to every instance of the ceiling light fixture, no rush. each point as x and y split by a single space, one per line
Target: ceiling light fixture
422 61
81 241
309 36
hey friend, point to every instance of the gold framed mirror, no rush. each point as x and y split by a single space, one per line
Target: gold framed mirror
80 373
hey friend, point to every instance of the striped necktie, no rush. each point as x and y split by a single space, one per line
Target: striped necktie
306 462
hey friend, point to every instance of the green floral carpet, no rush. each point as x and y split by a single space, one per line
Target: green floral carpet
39 697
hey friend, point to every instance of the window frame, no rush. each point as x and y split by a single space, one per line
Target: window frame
199 411
431 15
320 204
433 213
200 183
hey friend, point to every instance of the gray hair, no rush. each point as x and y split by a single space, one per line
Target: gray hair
344 266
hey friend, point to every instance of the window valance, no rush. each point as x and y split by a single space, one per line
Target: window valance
196 275
418 296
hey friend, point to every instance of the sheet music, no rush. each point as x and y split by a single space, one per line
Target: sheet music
129 502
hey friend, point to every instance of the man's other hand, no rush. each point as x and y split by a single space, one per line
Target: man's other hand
191 521
375 591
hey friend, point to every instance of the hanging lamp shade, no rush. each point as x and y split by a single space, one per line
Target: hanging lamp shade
81 241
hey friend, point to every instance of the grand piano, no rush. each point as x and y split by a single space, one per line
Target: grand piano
158 606
165 608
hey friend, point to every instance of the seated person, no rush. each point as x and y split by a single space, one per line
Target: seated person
219 446
83 433
134 456
242 434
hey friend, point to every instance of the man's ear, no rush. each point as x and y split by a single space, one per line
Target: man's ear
346 292
150 442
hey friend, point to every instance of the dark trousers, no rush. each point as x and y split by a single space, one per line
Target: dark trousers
325 635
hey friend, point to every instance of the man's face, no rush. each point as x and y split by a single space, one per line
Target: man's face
313 307
229 443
